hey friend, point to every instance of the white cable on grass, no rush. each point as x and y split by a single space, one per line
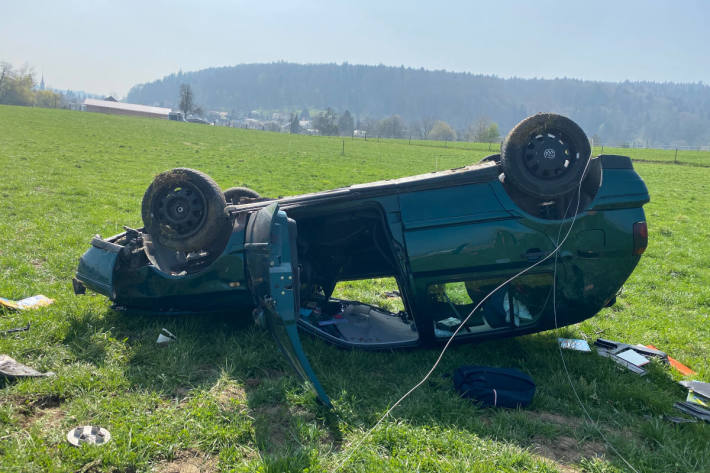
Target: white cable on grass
559 346
462 324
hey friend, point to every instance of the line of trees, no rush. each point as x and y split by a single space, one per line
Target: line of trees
18 87
329 123
624 112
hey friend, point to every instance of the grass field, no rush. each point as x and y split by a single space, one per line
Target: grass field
223 399
683 156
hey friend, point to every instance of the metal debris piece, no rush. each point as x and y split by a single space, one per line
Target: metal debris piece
680 420
12 369
14 330
91 434
693 410
165 337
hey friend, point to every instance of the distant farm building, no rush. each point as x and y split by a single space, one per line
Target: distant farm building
120 108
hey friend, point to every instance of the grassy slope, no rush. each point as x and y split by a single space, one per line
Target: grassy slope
223 395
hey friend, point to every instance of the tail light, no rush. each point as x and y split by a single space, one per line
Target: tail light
640 237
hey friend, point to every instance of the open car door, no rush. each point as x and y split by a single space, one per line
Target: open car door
272 264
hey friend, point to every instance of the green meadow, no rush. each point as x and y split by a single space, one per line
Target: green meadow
222 398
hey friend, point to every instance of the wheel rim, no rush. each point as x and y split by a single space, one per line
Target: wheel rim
180 210
549 156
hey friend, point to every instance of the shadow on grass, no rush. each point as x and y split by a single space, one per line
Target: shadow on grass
209 348
288 424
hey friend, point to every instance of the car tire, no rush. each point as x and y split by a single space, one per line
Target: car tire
545 155
234 194
184 209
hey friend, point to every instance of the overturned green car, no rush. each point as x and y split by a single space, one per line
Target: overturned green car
448 238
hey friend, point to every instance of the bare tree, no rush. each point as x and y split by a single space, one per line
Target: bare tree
427 126
483 131
187 99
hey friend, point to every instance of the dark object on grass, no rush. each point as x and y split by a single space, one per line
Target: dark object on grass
680 420
612 349
494 387
12 369
448 238
15 330
618 347
693 410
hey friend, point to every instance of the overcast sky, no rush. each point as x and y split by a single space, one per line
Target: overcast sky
106 47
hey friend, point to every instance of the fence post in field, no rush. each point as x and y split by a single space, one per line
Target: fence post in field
410 139
342 153
675 160
602 151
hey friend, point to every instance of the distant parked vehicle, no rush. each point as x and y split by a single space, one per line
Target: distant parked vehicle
176 116
198 120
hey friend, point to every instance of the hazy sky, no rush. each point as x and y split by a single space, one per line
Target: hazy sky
106 47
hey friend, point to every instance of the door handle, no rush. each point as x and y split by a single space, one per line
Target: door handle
534 254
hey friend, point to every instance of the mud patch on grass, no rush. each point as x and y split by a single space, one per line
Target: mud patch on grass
272 426
188 461
40 409
230 396
30 402
566 451
38 262
559 419
45 418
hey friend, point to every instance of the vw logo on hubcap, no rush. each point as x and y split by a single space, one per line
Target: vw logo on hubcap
549 153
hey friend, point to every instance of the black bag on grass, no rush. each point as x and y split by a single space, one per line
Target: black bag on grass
494 387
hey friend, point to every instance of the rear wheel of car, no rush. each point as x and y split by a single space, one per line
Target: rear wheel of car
183 209
545 155
234 194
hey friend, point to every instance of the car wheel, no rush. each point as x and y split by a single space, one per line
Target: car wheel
545 155
234 194
183 209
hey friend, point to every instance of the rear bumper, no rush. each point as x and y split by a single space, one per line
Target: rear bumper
96 267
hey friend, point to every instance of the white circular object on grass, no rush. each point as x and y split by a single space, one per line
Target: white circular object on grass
88 434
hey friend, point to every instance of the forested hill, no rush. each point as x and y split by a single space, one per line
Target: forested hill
617 113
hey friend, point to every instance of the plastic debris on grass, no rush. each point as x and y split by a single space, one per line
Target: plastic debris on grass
27 303
680 367
12 369
574 344
165 336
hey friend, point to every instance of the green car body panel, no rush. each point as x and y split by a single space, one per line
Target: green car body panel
433 233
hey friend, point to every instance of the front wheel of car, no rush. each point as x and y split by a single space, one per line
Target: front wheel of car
545 155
